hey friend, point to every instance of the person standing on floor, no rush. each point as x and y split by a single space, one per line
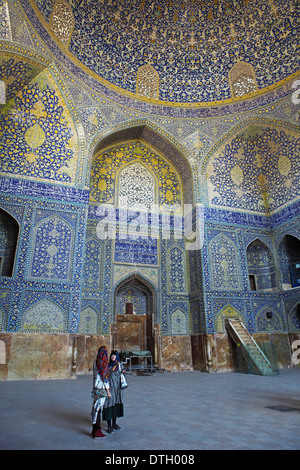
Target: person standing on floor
113 406
100 390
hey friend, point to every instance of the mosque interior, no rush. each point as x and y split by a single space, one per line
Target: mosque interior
149 182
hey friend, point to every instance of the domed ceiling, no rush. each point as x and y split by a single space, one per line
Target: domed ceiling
190 45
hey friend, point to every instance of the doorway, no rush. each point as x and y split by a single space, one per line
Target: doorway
135 313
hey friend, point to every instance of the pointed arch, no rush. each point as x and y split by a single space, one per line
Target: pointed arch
294 318
224 264
228 311
138 188
9 232
268 320
179 322
265 240
230 168
287 233
289 260
53 241
137 282
160 142
44 316
260 265
88 323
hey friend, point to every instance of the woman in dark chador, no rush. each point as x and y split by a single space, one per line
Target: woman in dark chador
113 407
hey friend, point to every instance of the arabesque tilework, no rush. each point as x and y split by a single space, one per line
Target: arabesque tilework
35 128
115 40
237 164
109 167
257 169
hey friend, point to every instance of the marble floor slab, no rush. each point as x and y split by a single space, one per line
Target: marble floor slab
166 411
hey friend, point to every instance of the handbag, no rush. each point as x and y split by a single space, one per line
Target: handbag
124 383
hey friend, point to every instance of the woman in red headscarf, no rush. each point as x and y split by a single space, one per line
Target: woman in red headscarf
100 390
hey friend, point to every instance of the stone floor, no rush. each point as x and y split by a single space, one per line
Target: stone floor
165 411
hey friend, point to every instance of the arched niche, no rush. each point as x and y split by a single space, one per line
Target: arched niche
9 231
224 263
260 264
52 259
179 322
228 311
141 289
88 324
44 316
236 176
159 143
133 328
268 320
294 318
289 261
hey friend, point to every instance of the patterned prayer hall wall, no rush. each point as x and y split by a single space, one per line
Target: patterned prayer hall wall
57 275
51 285
134 176
64 276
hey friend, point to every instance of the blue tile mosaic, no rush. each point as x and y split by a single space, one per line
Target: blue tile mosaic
149 107
238 159
196 42
138 251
